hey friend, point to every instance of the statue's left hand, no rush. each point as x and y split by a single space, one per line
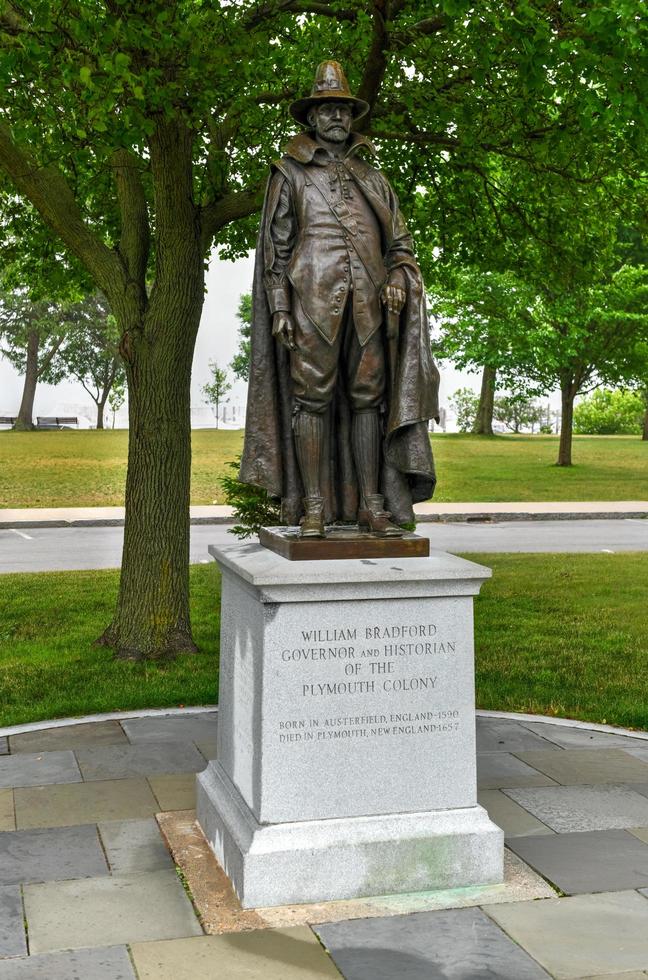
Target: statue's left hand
393 297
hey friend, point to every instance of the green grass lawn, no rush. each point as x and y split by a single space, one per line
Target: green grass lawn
50 668
558 635
88 468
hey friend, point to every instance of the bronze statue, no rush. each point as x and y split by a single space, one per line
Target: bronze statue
342 381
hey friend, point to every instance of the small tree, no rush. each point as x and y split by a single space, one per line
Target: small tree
253 508
117 396
216 389
91 352
31 337
604 412
465 404
240 363
517 411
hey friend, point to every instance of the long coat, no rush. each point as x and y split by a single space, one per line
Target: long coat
269 460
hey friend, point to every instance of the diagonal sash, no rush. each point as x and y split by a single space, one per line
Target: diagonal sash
345 218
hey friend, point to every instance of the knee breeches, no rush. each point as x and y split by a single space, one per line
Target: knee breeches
316 366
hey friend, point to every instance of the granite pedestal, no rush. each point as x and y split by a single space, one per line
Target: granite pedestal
346 732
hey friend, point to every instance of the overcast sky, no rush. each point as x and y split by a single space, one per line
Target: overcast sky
217 340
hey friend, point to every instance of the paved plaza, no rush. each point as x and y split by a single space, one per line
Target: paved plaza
105 876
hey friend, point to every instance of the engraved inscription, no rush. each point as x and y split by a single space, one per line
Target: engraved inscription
361 663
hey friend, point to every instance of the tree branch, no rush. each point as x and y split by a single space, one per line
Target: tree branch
273 8
134 243
51 195
230 207
45 362
376 64
424 28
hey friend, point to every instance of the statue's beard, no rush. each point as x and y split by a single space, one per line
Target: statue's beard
334 134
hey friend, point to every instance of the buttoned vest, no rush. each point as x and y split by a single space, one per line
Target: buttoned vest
338 248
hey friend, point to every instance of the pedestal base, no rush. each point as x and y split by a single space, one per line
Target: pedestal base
341 543
348 857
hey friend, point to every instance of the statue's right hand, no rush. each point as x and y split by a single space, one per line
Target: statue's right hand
283 329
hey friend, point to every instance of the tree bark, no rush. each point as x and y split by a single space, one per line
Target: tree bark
567 394
100 413
152 615
483 425
644 434
25 419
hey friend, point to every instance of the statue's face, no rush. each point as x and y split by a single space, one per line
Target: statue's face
331 121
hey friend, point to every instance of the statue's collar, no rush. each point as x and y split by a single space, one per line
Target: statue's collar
305 149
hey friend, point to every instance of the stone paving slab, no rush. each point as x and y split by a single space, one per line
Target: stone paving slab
572 767
512 818
221 912
174 728
176 792
4 746
449 945
581 808
7 818
133 846
111 963
108 911
12 930
143 759
500 735
269 954
600 861
51 855
68 737
585 935
63 806
578 738
38 769
496 770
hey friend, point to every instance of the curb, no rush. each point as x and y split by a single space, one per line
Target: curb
38 726
486 517
99 522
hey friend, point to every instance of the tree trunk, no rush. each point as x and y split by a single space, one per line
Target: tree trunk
152 615
101 407
25 418
644 434
567 394
152 619
483 425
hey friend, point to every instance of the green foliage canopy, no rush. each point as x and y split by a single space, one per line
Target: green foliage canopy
580 337
485 114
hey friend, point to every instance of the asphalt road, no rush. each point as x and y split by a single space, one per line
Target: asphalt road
51 549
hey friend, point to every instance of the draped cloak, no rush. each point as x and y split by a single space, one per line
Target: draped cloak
407 471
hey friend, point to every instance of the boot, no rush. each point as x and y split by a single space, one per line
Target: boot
312 523
376 520
308 429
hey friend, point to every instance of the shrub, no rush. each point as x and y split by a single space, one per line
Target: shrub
606 413
252 505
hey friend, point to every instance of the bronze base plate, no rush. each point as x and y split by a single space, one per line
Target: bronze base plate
341 541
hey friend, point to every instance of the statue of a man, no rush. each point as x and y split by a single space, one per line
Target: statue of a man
342 382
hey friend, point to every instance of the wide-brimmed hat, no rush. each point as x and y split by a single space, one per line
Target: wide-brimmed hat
330 84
